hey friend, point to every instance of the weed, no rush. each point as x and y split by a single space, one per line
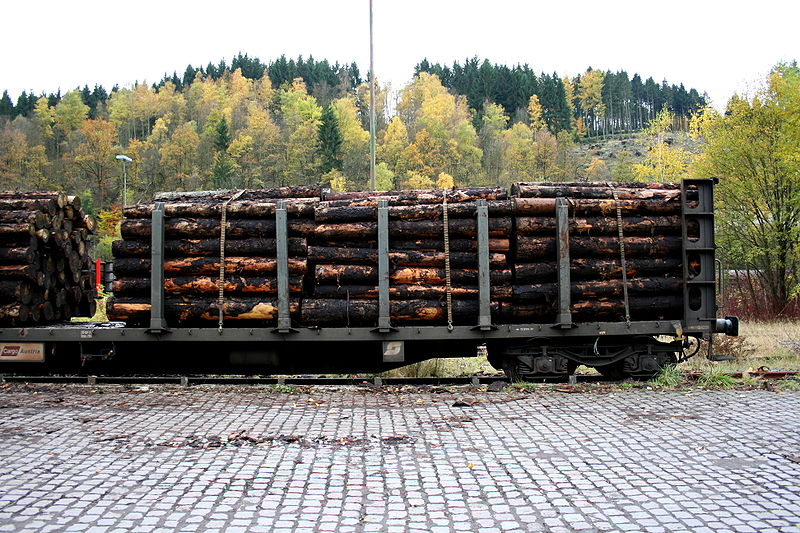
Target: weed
285 389
714 378
669 377
788 384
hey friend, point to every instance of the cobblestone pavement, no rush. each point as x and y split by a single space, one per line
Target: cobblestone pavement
254 459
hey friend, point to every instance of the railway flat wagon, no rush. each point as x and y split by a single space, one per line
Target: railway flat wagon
618 276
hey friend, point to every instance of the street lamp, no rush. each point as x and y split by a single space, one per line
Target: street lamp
124 159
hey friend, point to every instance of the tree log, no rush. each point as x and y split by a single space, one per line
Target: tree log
208 266
603 269
206 247
656 225
664 191
341 313
40 219
46 205
591 206
422 245
529 248
406 292
369 256
14 313
16 229
498 227
204 285
598 290
642 308
295 191
18 255
366 275
196 228
298 208
335 212
15 291
58 197
178 311
421 196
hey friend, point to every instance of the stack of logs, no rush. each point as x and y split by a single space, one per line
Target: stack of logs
651 229
344 256
192 255
333 251
45 267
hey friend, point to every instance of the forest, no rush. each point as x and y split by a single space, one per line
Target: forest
292 121
301 121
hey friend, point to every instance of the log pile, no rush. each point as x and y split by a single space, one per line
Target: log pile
192 255
344 257
651 229
45 270
333 251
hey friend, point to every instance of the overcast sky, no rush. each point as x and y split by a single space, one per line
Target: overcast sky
719 47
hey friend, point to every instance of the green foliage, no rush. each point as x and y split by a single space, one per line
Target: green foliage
669 377
714 378
753 149
330 141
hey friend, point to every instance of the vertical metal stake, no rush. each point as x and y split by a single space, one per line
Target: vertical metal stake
484 282
157 321
282 245
562 263
383 267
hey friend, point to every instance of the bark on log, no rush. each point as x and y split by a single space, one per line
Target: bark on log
422 196
16 292
341 313
204 285
295 191
334 212
15 230
648 308
532 248
583 189
636 225
593 207
206 247
58 197
407 292
298 208
598 290
422 245
46 205
365 275
403 229
40 219
14 313
196 228
178 311
18 255
602 269
208 266
369 256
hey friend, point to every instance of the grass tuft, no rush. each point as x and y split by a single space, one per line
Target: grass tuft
713 378
669 377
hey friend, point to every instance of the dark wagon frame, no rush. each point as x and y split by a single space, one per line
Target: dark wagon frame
618 349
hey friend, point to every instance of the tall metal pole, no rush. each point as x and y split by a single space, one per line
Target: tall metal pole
124 185
371 105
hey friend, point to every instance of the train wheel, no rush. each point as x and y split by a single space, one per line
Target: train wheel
512 370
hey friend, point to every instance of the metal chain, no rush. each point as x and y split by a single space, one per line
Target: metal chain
448 285
622 255
221 283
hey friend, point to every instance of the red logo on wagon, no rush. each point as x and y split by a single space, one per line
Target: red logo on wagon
10 351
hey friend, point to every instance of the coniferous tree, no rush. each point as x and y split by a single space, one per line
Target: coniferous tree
330 141
6 105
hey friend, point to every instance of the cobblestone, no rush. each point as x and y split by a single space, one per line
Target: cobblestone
252 459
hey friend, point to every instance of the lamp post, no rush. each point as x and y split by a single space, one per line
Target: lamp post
124 159
371 105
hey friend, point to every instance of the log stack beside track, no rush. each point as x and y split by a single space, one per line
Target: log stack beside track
45 270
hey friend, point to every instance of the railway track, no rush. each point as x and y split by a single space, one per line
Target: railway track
311 380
